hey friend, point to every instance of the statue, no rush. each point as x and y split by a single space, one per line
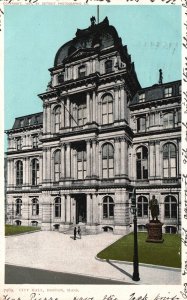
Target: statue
154 207
154 227
93 20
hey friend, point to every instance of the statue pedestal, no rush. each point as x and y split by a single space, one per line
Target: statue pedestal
154 229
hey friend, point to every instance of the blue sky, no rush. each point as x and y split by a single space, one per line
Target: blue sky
33 34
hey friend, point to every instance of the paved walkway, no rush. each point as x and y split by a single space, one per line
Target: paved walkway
56 251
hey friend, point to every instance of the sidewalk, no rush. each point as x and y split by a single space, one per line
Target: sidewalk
56 251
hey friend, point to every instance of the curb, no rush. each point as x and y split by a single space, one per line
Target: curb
140 264
23 233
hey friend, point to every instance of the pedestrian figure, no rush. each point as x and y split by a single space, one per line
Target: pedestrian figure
75 233
79 232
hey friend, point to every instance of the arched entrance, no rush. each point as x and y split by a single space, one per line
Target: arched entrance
80 208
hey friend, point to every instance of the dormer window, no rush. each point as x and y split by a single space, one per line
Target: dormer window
82 71
29 121
168 92
108 66
61 77
21 123
180 89
142 97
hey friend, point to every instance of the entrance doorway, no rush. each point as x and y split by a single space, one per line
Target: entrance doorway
81 208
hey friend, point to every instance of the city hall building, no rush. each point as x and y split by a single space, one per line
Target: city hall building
100 135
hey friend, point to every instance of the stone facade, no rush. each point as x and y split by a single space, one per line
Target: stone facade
99 135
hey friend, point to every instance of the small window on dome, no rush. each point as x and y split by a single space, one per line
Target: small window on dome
82 71
142 97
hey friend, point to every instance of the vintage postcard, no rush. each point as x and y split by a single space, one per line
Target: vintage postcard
94 158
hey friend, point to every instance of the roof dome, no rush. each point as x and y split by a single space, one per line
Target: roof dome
102 35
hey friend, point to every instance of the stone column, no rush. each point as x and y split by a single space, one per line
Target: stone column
12 172
157 160
75 164
67 112
27 170
89 209
88 106
62 114
94 67
179 157
68 161
95 209
116 100
94 106
49 164
99 110
63 167
8 171
48 118
63 207
24 171
151 159
68 209
124 112
88 158
94 159
100 163
44 118
124 157
44 164
40 169
117 157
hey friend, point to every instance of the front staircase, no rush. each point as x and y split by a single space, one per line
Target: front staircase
70 230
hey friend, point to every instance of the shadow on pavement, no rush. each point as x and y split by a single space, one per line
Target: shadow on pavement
118 268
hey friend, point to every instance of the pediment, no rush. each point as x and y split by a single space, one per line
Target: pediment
81 53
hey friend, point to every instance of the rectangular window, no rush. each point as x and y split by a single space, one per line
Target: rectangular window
152 119
18 144
82 114
168 92
167 212
108 66
35 141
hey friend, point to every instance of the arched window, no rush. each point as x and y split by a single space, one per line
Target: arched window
107 109
141 124
142 163
81 164
142 207
35 207
57 210
19 173
169 160
57 165
57 119
108 161
108 66
170 206
108 208
35 171
168 120
18 207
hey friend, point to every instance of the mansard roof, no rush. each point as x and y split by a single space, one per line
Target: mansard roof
100 35
157 92
29 120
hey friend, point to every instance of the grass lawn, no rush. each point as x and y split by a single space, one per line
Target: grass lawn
12 229
164 254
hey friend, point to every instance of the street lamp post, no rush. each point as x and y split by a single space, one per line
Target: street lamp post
135 275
